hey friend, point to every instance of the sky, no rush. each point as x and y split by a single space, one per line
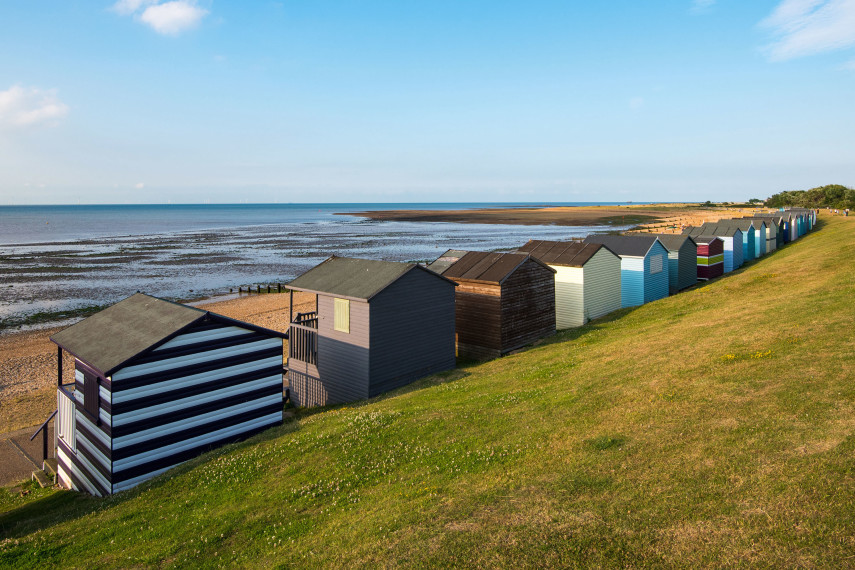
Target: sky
194 101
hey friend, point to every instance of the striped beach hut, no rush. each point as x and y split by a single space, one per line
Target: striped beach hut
155 384
710 257
504 301
587 279
644 267
682 261
731 238
377 326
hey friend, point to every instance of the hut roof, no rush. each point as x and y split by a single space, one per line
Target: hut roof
566 254
447 259
110 338
742 224
673 242
630 246
712 229
705 239
354 278
485 267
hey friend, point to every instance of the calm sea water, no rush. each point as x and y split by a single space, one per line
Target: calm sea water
60 258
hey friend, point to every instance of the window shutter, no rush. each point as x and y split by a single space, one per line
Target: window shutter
342 315
91 396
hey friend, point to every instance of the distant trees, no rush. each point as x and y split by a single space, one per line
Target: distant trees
829 196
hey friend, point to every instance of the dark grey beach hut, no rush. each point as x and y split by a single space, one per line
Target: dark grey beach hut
504 301
377 325
682 261
157 383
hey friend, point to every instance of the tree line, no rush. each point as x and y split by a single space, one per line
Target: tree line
829 196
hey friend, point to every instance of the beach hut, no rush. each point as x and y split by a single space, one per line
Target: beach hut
155 384
587 279
377 325
504 301
710 257
682 261
760 234
731 238
644 267
749 237
775 231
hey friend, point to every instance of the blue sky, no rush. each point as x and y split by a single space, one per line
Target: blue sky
149 101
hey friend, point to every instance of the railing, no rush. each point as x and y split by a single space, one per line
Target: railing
44 429
303 338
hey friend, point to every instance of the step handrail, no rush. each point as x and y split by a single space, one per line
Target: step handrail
43 429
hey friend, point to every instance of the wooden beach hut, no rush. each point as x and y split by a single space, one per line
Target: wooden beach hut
749 237
377 325
775 233
731 238
682 261
760 235
710 257
155 384
587 279
644 267
504 301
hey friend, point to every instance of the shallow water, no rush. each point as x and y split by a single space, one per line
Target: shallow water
70 274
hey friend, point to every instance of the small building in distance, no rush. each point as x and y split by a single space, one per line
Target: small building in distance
749 237
682 261
504 301
731 238
644 266
710 257
157 383
377 326
587 279
775 223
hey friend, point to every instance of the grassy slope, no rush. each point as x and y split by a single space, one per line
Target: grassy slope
713 427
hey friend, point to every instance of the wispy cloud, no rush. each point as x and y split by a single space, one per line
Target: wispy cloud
809 27
24 107
167 18
701 6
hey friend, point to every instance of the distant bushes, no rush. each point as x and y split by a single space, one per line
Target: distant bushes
830 196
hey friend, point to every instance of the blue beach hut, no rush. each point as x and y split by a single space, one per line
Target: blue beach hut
644 267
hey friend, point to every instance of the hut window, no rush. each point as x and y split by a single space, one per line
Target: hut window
342 315
655 263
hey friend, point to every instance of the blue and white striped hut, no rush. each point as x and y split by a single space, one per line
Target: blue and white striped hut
157 383
644 267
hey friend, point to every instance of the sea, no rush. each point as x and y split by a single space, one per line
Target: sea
55 260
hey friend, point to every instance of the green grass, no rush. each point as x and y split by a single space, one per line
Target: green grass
712 428
49 316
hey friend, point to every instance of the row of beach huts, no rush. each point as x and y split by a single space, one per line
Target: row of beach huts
157 382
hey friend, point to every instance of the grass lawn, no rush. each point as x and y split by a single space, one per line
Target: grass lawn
712 428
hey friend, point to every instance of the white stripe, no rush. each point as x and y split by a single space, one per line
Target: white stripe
89 487
197 357
137 480
93 471
102 459
168 450
193 338
175 405
195 421
195 379
99 435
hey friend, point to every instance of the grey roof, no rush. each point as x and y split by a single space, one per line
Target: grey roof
742 224
625 246
110 338
673 242
705 239
354 278
486 267
446 260
562 253
713 229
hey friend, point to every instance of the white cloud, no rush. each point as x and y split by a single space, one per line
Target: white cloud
23 107
808 27
168 18
702 5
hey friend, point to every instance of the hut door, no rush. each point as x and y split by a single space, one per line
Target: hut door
91 397
66 424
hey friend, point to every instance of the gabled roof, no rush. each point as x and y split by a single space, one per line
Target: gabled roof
353 278
712 229
625 246
705 239
446 260
673 242
485 267
563 253
110 338
741 224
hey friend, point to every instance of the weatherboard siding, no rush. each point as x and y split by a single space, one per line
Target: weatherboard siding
528 305
569 297
655 284
602 284
412 331
632 281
